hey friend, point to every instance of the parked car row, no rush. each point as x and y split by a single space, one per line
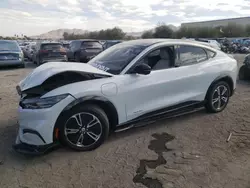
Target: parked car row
76 50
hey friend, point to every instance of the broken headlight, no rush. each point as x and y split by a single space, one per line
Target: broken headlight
39 103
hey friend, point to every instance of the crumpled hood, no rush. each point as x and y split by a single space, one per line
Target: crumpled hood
43 72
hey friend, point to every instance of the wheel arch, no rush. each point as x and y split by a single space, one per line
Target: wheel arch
100 101
226 78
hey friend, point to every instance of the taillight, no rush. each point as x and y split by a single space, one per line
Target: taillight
43 51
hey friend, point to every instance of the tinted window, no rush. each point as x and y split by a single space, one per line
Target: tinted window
116 58
188 55
9 46
91 44
51 46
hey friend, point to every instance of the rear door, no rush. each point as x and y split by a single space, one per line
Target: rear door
193 65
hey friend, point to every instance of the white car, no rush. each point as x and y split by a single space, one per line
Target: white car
126 85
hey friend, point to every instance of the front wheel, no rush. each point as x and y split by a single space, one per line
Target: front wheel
84 128
217 97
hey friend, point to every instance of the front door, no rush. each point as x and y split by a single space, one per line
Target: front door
171 82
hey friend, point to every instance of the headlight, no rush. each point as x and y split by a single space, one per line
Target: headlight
21 55
39 103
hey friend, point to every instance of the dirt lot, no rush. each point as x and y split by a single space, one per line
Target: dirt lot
196 153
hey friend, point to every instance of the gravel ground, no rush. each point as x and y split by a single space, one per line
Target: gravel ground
189 151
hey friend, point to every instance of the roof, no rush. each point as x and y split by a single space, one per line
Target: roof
85 40
154 41
48 42
149 42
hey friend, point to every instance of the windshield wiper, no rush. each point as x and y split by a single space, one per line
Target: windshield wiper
4 50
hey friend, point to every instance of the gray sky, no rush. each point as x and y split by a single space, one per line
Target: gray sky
32 17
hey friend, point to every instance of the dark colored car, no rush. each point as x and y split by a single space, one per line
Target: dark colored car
110 43
244 72
83 50
11 54
49 51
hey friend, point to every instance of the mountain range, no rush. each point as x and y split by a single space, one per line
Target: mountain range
58 34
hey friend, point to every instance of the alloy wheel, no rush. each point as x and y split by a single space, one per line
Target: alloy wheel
220 97
83 129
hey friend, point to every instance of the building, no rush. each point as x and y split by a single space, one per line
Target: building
217 23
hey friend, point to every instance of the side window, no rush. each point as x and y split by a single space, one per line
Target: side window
162 58
188 55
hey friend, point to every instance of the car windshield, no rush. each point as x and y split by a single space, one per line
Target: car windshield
116 58
9 46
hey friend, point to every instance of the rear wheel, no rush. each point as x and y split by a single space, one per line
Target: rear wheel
84 128
218 97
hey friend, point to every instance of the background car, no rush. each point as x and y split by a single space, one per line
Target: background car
110 43
244 72
49 51
83 50
11 54
30 51
134 82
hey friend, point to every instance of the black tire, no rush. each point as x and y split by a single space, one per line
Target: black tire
68 122
211 97
22 66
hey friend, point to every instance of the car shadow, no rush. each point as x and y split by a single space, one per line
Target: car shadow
28 65
163 122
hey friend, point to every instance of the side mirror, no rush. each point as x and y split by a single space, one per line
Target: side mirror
142 69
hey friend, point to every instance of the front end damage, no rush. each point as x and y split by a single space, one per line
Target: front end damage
38 114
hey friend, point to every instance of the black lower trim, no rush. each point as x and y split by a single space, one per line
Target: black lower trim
162 113
33 149
33 132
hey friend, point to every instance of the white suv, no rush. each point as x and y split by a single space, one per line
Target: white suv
132 82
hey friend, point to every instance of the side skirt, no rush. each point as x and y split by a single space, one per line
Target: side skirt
164 113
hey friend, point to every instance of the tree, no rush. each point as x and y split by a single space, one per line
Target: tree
147 34
163 31
65 35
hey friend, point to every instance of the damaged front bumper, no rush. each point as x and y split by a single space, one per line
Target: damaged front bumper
33 149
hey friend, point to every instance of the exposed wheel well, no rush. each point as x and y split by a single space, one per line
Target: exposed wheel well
226 79
108 108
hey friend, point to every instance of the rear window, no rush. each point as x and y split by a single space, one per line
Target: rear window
91 44
9 46
51 46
